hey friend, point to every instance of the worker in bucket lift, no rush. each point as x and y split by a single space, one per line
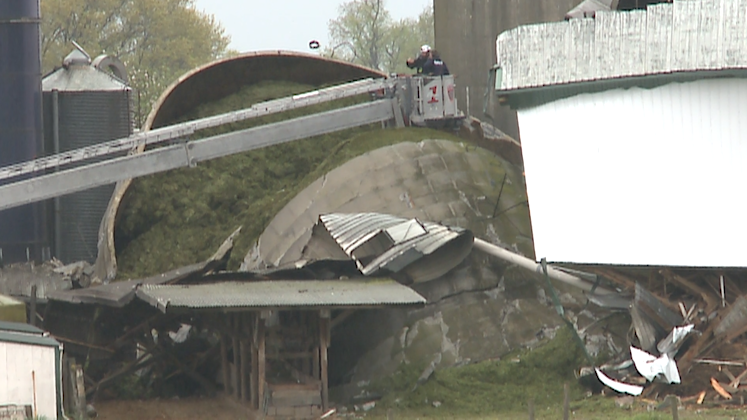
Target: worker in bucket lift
417 63
435 66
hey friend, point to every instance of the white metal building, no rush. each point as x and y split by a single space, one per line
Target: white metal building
30 370
634 133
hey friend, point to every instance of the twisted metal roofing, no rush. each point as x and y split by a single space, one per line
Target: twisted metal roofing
445 182
381 241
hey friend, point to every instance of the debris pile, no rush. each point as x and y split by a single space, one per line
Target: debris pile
686 336
166 219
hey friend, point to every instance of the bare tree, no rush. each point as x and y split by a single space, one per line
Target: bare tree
365 33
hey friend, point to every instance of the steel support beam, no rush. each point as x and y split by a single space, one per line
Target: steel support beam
191 153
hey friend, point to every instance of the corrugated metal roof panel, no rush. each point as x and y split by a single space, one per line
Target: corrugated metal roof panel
686 36
36 340
81 78
19 327
407 240
280 294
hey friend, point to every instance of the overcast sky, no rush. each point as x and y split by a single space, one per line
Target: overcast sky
256 25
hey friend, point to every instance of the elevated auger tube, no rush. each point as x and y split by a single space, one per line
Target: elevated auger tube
535 267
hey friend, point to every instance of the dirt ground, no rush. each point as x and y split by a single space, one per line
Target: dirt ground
182 409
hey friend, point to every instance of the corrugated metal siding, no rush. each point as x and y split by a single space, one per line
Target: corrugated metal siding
86 118
279 294
688 35
17 362
651 176
17 326
405 241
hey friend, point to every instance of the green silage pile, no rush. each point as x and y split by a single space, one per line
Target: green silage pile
180 217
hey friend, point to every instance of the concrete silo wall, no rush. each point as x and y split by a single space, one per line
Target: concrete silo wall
466 31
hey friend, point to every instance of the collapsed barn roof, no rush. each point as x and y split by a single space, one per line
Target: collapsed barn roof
422 250
280 294
445 182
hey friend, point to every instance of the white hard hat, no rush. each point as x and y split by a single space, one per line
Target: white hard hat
425 48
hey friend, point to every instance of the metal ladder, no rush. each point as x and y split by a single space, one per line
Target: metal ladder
164 134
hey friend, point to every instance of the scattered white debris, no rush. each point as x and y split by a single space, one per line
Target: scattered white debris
650 366
617 385
180 335
368 406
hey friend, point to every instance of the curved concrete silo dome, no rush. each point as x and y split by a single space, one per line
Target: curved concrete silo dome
439 181
216 80
212 82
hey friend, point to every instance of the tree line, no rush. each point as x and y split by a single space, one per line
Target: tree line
159 40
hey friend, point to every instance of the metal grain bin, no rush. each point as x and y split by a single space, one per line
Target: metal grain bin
21 228
83 105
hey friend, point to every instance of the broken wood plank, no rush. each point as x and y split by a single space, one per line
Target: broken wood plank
138 364
728 373
734 322
261 362
711 301
255 364
341 317
204 383
236 385
738 380
719 389
224 364
80 343
323 344
701 397
243 350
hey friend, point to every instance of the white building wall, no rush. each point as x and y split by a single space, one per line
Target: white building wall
637 176
17 362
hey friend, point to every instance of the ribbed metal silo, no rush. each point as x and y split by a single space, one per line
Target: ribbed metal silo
83 105
21 229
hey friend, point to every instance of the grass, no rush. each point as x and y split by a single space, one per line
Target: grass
177 218
491 386
502 389
593 408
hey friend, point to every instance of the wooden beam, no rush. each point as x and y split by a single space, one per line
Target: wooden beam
255 364
139 328
244 362
224 364
340 318
323 345
236 385
32 309
315 368
261 364
204 383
